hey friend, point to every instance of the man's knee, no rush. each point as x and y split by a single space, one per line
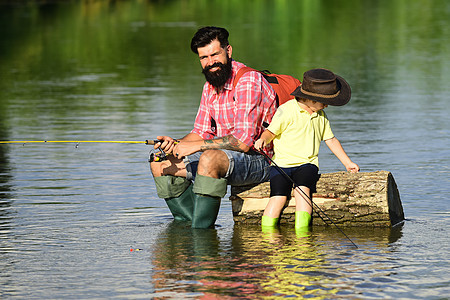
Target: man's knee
213 163
155 168
173 167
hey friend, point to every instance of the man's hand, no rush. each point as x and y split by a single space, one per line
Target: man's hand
166 143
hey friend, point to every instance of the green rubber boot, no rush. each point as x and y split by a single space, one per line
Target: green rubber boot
208 193
269 225
267 221
177 191
302 220
206 209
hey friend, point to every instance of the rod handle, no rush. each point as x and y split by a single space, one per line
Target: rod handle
152 142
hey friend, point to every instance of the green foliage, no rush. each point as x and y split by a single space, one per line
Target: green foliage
75 56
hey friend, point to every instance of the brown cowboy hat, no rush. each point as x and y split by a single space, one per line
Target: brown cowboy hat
324 86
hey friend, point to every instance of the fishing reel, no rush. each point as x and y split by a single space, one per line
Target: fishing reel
157 155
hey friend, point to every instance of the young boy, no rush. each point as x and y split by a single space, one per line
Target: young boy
297 129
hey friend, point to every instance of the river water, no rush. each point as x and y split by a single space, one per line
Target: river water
123 71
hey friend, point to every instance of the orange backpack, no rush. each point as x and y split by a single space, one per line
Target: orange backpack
283 85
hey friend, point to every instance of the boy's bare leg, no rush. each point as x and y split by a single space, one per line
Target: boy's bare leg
303 203
303 208
275 206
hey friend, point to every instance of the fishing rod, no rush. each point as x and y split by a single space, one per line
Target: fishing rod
147 142
304 194
158 156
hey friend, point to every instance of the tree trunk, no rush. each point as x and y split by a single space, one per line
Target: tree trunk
348 199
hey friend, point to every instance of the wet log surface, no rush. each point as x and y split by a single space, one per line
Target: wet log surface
362 199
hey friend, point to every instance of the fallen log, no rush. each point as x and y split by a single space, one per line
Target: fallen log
368 199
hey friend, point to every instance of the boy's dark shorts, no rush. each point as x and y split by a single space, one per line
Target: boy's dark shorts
304 175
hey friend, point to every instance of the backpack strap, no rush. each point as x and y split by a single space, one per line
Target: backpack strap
238 76
246 69
240 73
213 125
264 73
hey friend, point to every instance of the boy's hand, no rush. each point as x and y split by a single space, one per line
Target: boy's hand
259 144
352 167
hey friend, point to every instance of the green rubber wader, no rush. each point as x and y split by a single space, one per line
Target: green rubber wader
269 222
206 209
302 220
177 191
208 193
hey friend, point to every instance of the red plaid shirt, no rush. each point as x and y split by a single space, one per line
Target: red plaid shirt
240 112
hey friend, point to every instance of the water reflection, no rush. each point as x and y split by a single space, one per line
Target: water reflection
282 263
185 260
5 190
6 215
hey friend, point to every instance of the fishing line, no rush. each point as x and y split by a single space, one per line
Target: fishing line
158 156
147 142
313 204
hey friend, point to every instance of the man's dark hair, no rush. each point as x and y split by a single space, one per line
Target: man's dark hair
206 35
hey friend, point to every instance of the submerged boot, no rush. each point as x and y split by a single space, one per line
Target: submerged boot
206 209
177 191
208 193
267 221
302 220
269 224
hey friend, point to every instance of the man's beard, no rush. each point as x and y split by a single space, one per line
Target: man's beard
218 78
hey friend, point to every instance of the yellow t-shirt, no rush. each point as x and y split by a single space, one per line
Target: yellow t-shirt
298 135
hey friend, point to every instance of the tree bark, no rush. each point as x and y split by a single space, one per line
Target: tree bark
346 199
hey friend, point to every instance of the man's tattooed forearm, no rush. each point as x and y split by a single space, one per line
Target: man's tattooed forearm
228 142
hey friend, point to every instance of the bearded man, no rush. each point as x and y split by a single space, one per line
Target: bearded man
217 152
